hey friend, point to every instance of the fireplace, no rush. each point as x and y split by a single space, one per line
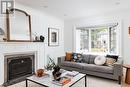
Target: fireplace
18 67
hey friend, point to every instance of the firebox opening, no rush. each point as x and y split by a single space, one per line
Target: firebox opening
18 67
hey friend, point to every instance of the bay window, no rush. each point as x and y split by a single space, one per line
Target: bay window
100 39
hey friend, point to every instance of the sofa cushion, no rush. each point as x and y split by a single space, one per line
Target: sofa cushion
72 64
85 58
92 58
95 68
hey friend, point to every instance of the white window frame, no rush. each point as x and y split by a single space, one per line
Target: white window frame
119 40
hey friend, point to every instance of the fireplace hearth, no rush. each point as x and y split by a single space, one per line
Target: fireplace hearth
18 67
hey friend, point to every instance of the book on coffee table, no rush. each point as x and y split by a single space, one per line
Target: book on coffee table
72 74
62 81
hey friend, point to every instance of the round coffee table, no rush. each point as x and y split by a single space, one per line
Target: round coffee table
127 79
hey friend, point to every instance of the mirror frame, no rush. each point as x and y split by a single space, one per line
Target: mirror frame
8 12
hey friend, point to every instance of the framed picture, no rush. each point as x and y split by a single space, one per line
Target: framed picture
53 37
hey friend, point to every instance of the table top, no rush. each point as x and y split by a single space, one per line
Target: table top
47 80
126 66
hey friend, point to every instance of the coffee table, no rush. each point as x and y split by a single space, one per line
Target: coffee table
46 81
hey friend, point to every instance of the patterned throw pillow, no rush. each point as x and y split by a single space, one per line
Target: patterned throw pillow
77 57
69 56
112 56
110 61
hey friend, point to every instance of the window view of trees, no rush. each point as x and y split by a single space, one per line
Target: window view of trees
99 40
84 40
113 40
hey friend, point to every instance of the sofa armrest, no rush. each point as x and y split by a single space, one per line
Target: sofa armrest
61 59
118 69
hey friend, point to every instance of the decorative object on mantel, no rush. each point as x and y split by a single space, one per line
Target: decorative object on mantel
38 38
35 37
42 38
53 37
2 33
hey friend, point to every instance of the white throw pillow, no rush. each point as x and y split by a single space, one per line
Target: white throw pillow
100 60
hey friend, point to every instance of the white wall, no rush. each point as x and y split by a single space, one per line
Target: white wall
40 23
121 16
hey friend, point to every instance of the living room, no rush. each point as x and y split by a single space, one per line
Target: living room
68 20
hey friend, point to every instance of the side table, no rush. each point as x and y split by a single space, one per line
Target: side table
127 78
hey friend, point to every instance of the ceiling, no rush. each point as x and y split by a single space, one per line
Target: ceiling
70 9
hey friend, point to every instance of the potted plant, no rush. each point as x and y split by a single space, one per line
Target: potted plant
51 64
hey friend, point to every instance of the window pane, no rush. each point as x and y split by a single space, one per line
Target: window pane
99 40
113 48
82 40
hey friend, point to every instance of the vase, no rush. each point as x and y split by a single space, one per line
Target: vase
56 73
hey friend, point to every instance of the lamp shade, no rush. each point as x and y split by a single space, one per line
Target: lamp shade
2 31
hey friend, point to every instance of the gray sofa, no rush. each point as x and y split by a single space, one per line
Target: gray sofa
87 66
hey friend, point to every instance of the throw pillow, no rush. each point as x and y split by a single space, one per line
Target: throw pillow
68 56
110 61
112 56
100 60
77 57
